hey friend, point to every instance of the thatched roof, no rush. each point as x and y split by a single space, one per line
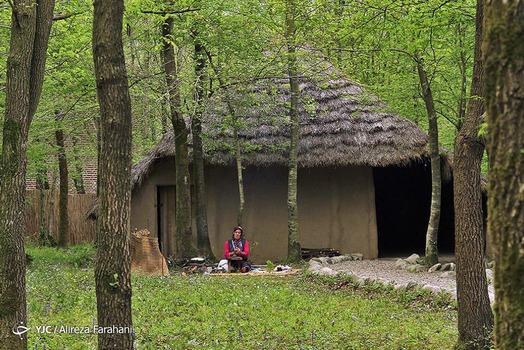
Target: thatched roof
340 124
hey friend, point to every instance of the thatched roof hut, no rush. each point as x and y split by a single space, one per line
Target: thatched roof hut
346 135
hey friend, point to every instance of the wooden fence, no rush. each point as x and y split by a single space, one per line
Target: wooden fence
42 209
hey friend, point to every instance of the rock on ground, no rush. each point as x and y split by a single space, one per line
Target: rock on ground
389 271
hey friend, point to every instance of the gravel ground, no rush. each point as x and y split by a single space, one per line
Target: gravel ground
385 270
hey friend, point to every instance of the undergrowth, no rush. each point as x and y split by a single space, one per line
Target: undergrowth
234 311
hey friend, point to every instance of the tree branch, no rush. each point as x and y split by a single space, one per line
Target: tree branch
15 12
165 12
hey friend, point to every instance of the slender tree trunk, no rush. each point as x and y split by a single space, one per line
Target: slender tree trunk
436 183
240 172
98 151
31 25
184 244
63 218
235 125
165 112
475 319
203 243
113 263
504 91
78 181
44 234
294 249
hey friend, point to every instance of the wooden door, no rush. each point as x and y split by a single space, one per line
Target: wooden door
166 209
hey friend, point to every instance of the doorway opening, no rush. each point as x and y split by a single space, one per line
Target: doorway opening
402 200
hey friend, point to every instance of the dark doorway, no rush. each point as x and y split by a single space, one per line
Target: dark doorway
166 219
402 199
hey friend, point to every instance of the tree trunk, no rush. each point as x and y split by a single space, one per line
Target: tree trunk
504 91
63 219
183 201
475 319
31 25
436 183
113 263
203 242
294 248
240 171
78 181
44 234
238 145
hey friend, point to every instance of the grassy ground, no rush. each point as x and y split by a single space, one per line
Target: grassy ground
234 311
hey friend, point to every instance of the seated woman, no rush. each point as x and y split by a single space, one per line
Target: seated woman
237 246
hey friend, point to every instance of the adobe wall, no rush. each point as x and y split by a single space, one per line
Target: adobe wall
336 208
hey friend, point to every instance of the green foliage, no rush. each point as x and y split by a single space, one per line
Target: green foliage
236 311
61 293
79 256
372 42
483 130
375 43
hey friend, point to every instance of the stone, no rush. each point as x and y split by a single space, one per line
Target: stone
399 287
327 271
451 274
412 259
432 289
341 258
416 268
411 285
489 275
446 267
435 267
357 256
401 264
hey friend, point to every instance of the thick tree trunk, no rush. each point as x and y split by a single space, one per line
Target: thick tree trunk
203 242
475 319
113 263
63 218
504 91
436 183
185 248
31 25
294 248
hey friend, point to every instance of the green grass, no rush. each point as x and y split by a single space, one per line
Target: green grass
235 311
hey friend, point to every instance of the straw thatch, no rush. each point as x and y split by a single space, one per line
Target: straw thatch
340 124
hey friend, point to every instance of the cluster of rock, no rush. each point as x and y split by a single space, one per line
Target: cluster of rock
324 266
413 263
405 273
320 265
